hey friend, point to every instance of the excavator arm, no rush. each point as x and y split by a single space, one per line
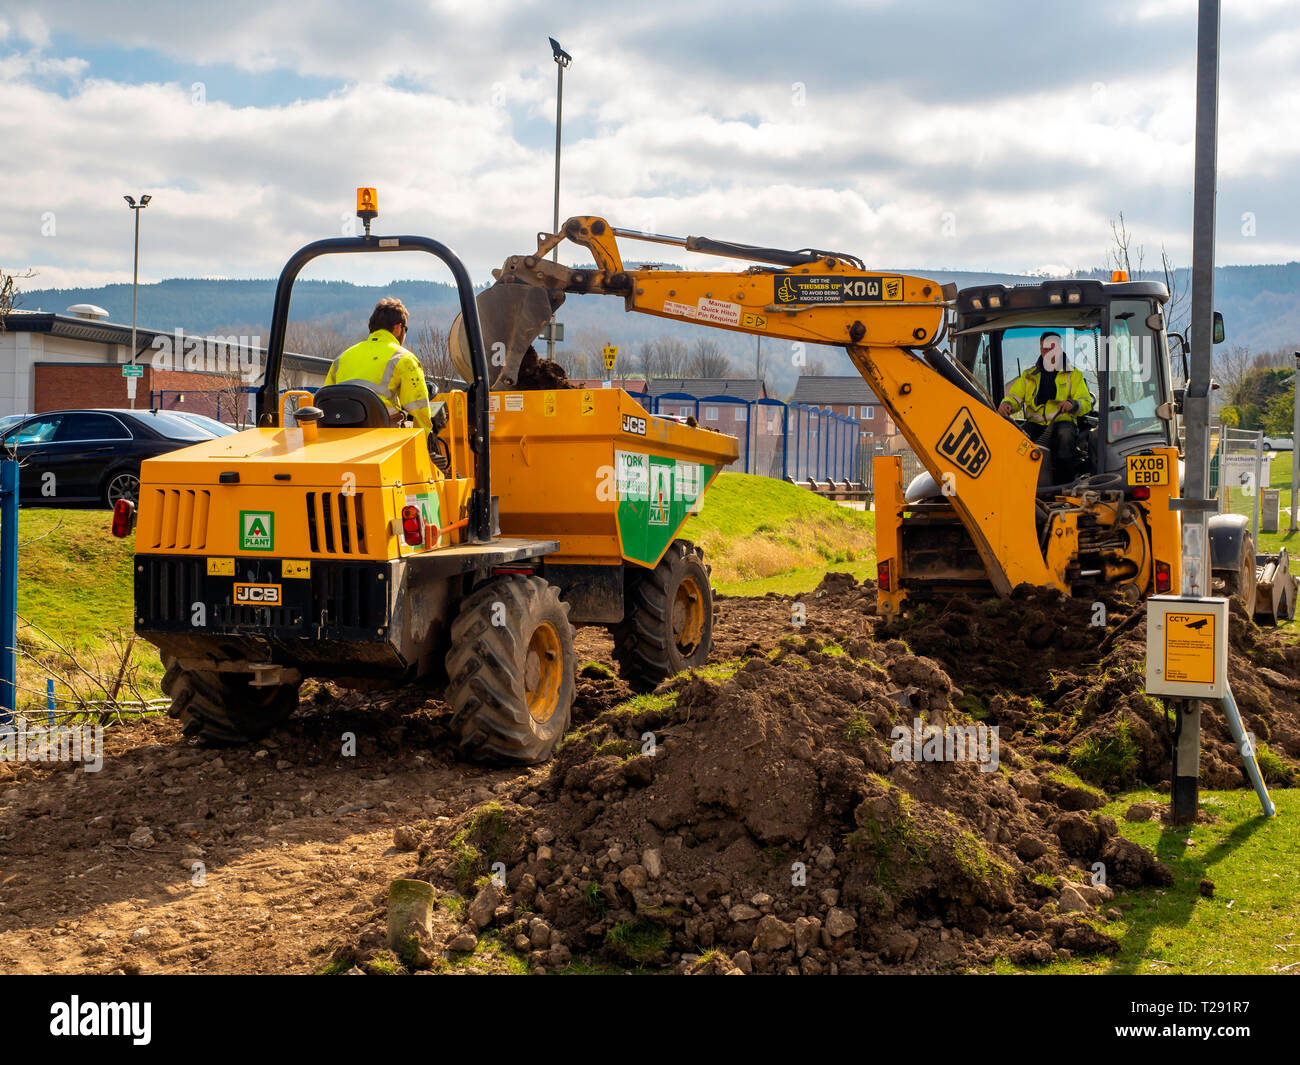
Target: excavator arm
888 324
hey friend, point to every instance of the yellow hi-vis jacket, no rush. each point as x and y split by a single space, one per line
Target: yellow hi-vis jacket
1023 396
382 361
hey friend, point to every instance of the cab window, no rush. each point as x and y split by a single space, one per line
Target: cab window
1134 385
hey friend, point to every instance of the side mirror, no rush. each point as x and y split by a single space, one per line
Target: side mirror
1218 328
1179 393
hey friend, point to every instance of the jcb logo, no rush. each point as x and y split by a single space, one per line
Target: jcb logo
257 594
962 443
633 424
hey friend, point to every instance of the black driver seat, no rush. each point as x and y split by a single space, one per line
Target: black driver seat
354 404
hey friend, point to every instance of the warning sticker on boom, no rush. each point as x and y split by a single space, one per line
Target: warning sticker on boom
1189 648
791 288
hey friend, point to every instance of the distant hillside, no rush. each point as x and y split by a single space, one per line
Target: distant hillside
1260 304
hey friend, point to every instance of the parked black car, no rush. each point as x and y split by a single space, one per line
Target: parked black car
89 456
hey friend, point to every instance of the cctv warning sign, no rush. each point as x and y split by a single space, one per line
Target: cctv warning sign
1190 648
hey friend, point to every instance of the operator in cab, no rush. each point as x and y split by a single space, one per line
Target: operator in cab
381 360
1052 398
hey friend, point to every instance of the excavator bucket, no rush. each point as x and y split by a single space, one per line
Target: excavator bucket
1275 591
512 316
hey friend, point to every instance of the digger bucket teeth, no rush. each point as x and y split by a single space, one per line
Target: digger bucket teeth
512 316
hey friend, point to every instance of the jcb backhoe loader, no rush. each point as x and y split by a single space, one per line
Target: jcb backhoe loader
329 542
988 515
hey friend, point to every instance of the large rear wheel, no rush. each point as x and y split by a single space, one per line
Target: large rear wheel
668 624
511 670
1241 582
224 709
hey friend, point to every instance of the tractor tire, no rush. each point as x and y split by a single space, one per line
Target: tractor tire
1241 582
511 671
668 625
224 709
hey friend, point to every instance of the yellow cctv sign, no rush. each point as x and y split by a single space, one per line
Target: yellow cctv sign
1187 646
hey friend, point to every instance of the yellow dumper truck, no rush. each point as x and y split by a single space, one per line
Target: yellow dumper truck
327 542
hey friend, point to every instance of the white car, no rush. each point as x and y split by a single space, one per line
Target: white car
1278 443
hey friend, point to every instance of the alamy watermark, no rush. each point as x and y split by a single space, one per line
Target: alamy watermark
25 742
229 355
949 743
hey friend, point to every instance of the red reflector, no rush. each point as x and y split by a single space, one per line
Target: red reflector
1142 491
123 517
412 526
1163 581
882 577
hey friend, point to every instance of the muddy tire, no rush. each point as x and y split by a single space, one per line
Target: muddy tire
511 671
1241 583
668 626
224 709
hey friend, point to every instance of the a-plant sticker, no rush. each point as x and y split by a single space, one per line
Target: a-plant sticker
256 530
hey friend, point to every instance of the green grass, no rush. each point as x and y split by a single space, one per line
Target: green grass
763 535
75 584
1249 926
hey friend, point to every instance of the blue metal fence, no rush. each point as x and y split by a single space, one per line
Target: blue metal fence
791 441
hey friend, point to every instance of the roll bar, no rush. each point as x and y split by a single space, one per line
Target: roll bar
480 505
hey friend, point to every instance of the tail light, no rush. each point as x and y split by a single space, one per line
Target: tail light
1163 580
883 576
123 517
1141 491
412 526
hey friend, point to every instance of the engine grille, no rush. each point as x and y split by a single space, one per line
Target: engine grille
336 523
180 519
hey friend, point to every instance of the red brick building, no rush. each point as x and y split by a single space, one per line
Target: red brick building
849 396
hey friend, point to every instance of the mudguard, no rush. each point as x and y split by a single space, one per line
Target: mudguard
1228 534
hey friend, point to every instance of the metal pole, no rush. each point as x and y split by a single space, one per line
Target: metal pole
8 590
1295 435
135 285
1259 483
555 227
1184 797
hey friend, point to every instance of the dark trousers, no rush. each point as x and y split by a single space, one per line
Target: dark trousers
1059 440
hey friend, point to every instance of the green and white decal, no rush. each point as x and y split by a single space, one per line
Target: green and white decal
256 530
654 497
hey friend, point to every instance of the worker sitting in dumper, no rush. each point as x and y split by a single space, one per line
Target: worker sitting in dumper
1052 399
381 360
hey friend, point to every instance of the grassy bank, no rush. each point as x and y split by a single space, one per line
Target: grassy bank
1248 925
75 600
761 535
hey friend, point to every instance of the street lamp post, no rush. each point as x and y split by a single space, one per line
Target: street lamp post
135 285
562 60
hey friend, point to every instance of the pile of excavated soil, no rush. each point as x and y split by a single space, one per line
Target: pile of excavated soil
764 815
1067 689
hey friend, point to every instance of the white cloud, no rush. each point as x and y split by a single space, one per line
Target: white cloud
884 159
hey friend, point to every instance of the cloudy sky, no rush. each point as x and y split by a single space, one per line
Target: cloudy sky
926 133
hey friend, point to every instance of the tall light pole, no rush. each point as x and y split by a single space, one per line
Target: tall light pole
562 60
1295 435
135 284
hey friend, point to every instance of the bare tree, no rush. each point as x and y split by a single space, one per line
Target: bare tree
664 357
1177 309
708 359
432 346
1121 256
815 368
9 293
319 339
